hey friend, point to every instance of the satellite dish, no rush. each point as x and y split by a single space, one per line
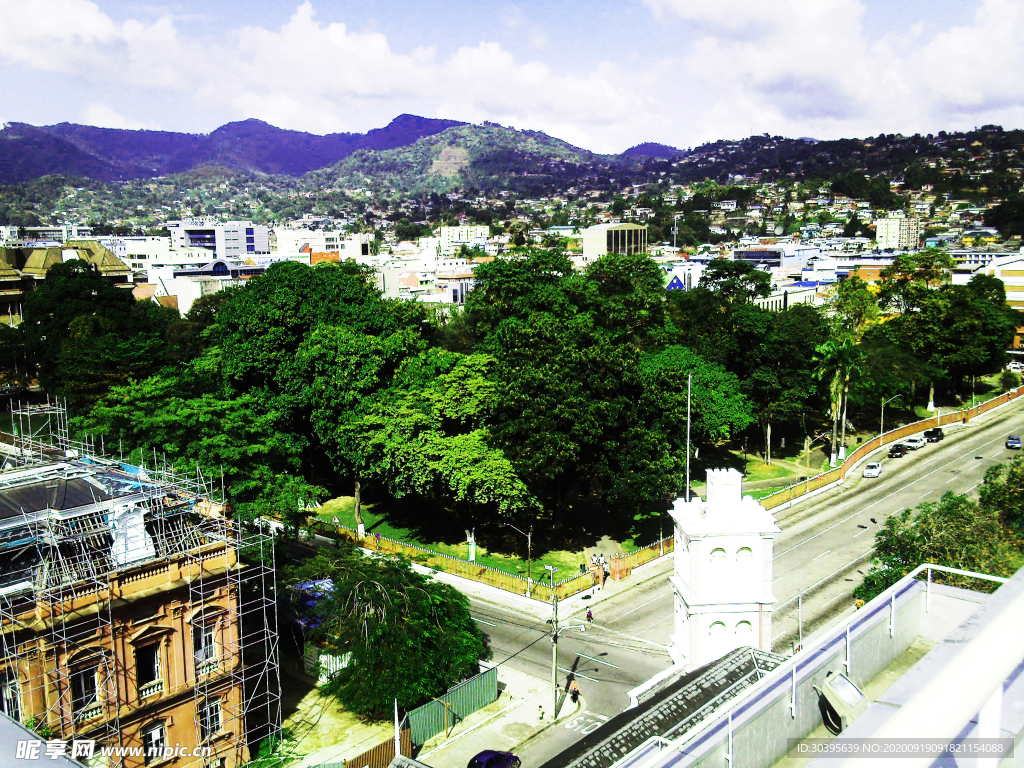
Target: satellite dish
780 230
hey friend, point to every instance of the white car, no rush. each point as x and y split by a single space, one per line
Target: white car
1015 367
873 469
915 442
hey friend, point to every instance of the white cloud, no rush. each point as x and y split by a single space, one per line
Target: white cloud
795 67
105 116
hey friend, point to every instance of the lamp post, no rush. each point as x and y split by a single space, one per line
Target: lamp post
554 639
529 556
675 227
881 421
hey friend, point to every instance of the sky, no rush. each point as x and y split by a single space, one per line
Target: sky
602 74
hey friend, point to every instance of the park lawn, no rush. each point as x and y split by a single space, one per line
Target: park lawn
758 470
566 562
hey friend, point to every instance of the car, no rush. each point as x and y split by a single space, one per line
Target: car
915 442
873 469
898 451
490 758
1013 441
1015 367
934 434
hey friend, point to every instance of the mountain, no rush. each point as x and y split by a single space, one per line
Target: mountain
647 149
110 154
485 157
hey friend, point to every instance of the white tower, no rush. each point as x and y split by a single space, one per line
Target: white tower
723 572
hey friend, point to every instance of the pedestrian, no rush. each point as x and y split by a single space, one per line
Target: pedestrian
377 537
574 691
590 616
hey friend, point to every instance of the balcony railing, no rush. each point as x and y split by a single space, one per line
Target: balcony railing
150 689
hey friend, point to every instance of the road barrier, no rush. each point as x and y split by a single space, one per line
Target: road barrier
796 490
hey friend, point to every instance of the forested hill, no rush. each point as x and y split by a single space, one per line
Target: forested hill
107 154
485 157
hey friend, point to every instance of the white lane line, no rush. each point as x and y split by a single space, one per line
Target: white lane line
599 661
972 452
954 477
635 609
866 530
634 638
923 495
821 555
488 623
579 674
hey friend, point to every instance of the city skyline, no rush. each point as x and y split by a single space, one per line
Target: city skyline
601 75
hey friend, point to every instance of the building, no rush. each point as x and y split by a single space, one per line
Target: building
722 580
602 239
58 233
898 232
295 243
128 614
188 284
227 240
143 254
451 239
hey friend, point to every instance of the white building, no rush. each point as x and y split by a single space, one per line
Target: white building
898 232
452 238
722 580
143 254
225 240
299 243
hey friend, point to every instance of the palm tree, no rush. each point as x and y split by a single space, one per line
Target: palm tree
837 360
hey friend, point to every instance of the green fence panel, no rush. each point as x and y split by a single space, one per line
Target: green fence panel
463 700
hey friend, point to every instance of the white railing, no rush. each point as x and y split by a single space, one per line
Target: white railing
150 689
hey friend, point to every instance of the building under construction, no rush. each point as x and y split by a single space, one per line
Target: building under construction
133 611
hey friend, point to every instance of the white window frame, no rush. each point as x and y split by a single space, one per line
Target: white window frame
150 743
208 725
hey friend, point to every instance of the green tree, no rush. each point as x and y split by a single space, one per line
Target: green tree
405 636
955 531
907 281
1002 493
737 281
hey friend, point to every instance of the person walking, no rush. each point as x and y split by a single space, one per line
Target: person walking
590 616
574 691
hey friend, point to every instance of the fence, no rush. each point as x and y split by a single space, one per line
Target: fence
457 704
796 490
379 756
486 574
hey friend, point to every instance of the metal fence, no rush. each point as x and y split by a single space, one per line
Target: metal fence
379 756
796 490
458 703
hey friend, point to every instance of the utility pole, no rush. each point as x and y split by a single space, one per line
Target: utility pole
675 227
554 640
881 420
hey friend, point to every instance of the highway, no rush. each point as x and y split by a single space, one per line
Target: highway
825 543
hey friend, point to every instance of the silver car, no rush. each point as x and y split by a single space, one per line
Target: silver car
873 469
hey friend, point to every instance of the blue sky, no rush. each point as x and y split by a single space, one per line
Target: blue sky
604 75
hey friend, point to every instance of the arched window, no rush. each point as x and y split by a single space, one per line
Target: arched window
745 555
717 631
745 633
717 556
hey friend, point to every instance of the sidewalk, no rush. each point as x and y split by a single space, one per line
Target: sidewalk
523 710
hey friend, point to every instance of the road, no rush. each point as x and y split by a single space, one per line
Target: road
825 541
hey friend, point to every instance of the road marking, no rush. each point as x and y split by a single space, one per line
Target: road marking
954 477
631 637
822 554
861 533
488 623
599 661
972 452
923 495
578 674
635 609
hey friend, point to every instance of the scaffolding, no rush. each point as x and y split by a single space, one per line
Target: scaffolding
84 541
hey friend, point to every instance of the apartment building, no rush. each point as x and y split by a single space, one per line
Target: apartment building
898 232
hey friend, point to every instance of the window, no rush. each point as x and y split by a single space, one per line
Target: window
154 741
147 669
209 719
10 695
83 693
745 555
204 648
718 555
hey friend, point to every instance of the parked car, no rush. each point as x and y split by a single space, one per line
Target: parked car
898 451
1013 441
915 442
873 469
490 758
934 434
1015 367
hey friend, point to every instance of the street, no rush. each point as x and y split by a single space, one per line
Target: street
824 546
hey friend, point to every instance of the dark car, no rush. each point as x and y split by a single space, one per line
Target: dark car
489 758
898 451
934 434
1013 441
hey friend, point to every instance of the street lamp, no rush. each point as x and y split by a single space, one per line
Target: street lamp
675 227
554 638
881 421
529 556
